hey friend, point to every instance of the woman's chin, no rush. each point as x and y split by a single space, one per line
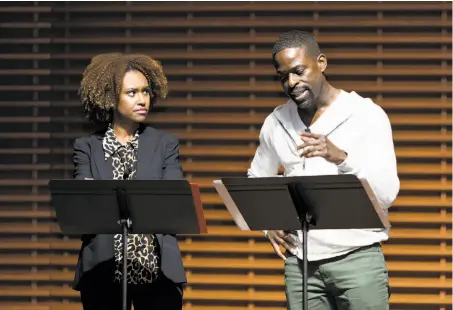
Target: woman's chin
139 118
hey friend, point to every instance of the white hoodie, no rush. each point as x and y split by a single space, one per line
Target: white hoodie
355 125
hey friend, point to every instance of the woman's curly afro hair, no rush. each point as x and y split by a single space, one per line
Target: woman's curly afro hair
103 77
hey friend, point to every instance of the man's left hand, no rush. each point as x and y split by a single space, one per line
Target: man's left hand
319 145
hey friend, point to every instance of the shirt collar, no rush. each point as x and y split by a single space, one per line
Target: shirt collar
111 144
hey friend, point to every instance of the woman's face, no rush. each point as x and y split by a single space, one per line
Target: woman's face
135 97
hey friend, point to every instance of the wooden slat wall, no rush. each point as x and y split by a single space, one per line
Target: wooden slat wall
222 85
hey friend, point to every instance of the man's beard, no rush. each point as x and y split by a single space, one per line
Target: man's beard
305 103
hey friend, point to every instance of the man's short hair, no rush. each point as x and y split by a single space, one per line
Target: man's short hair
297 39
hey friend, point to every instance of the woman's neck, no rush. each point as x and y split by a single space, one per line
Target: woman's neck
124 132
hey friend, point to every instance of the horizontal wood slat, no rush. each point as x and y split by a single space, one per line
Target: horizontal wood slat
229 118
221 231
238 168
391 86
200 263
223 70
240 22
197 151
230 295
233 280
245 54
251 247
231 134
237 38
241 7
412 104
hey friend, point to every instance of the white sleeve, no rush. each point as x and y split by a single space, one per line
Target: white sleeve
375 159
265 163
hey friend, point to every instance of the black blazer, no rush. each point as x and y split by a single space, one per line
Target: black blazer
157 159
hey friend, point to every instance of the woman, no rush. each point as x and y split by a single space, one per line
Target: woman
117 92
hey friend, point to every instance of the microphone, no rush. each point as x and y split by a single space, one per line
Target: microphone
303 158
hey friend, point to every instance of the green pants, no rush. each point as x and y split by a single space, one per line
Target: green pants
356 281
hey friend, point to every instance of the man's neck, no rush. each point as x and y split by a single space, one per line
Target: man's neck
328 95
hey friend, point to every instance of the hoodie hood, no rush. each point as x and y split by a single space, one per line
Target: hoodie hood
339 112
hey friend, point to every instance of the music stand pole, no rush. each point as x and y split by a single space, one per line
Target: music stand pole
126 224
305 224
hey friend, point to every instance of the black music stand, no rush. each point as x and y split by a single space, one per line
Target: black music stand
308 202
127 206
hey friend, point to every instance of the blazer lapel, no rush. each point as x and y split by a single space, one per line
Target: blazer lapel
104 166
160 239
147 143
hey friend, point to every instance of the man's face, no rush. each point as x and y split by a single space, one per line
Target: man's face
301 75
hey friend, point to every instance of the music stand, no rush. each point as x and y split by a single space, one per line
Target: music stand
308 202
127 206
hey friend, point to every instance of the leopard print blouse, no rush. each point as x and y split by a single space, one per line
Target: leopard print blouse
143 262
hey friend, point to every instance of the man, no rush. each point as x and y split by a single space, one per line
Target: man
322 130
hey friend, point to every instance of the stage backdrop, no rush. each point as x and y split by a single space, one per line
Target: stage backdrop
222 85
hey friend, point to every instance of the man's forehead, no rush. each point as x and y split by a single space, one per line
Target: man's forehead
291 57
294 52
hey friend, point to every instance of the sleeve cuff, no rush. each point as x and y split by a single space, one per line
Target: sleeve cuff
350 165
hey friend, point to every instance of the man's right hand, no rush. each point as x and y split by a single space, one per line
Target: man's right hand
285 239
